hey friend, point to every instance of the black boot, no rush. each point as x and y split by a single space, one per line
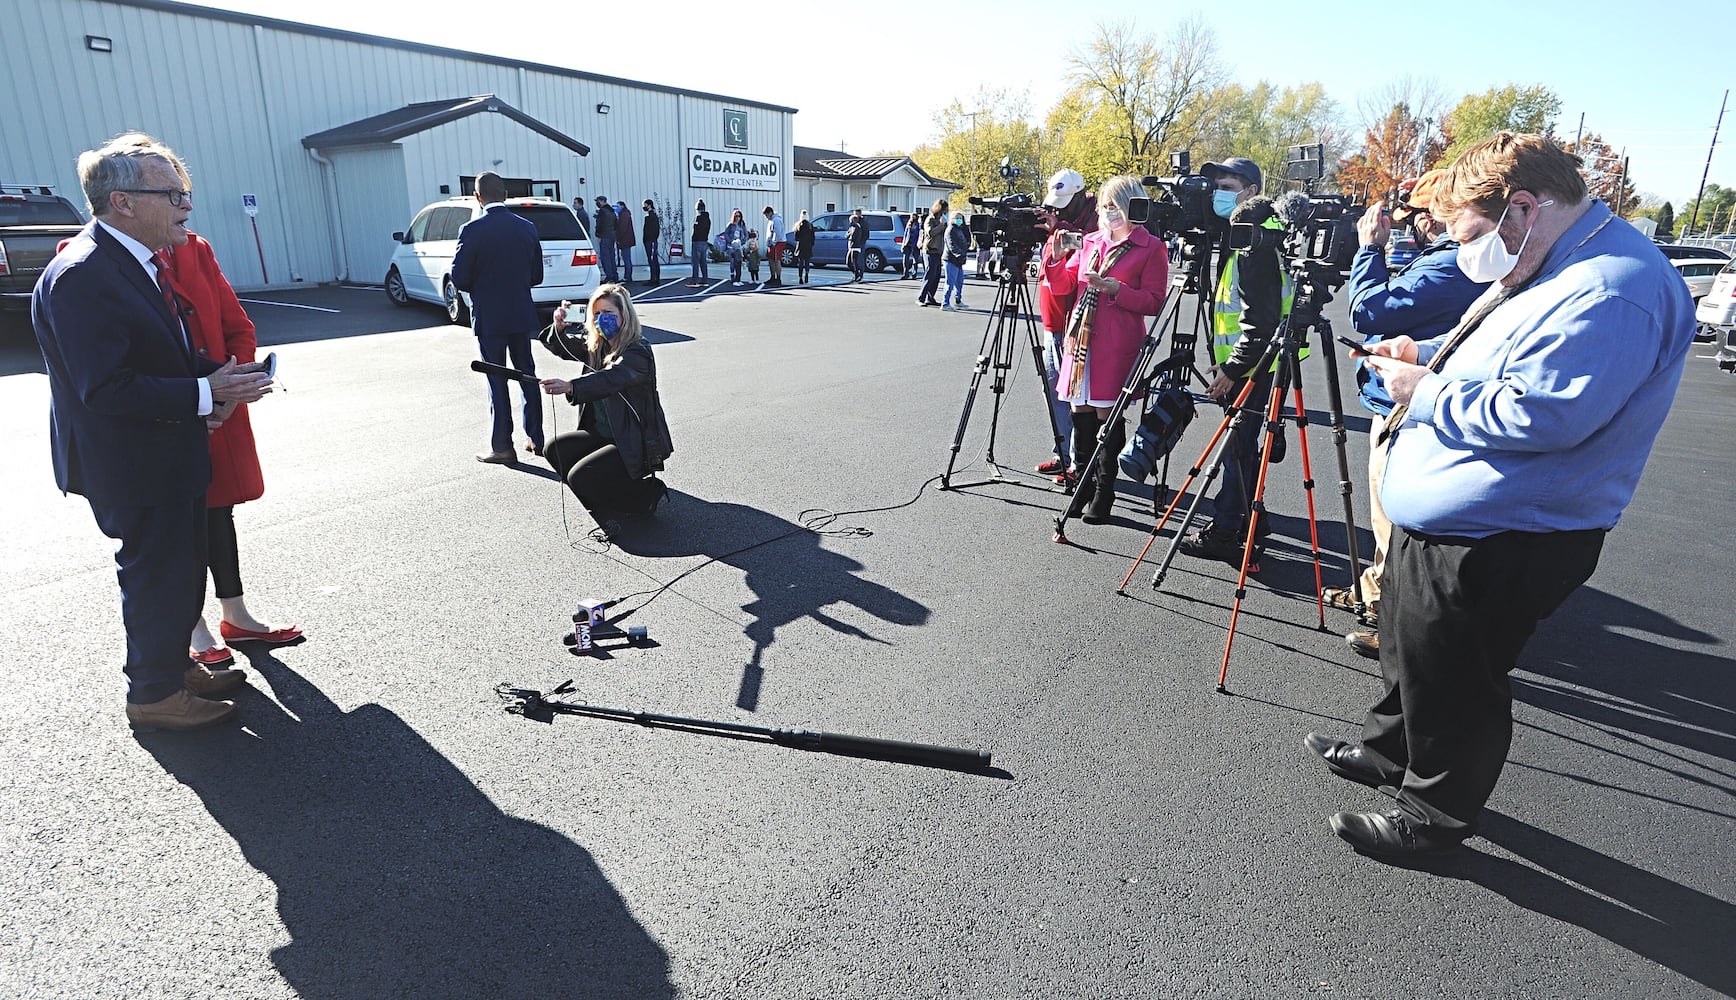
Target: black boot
1085 426
1103 495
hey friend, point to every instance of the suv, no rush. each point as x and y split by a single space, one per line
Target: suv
421 266
885 240
33 222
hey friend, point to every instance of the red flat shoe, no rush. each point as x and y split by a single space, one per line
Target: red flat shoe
275 636
214 657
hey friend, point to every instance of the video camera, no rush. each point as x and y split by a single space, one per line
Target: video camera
1012 221
1185 205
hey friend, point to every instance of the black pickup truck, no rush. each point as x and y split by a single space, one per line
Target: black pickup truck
33 221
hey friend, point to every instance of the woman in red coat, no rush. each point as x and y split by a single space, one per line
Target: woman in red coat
220 329
1128 270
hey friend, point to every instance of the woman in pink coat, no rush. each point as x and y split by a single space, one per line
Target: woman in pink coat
1122 272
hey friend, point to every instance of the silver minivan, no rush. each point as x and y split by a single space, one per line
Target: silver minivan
421 265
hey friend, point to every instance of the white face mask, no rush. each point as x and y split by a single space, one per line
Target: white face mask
1487 258
1112 217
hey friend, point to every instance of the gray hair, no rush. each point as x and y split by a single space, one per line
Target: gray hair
1120 191
117 166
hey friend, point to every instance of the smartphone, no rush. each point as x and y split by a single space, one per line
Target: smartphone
271 365
1071 240
1355 345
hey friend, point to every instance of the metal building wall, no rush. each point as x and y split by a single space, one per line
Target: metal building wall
236 98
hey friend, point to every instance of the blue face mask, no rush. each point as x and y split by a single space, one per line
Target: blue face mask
1223 203
608 324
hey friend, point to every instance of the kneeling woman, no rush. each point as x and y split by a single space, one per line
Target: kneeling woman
612 460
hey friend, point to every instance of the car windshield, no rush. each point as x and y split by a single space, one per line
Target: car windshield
552 222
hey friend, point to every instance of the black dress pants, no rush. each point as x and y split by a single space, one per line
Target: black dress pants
161 567
1454 615
224 553
931 281
591 465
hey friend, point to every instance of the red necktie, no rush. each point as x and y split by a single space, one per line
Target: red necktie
167 287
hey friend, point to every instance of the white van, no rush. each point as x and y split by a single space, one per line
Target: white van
421 265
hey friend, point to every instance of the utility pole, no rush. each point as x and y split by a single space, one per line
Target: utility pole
1695 215
1621 184
1580 132
973 117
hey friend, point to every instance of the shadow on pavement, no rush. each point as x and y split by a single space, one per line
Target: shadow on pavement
1668 923
395 875
793 577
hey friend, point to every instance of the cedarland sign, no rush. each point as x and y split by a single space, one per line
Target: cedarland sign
714 168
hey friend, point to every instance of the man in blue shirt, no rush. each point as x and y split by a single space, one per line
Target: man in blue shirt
1509 456
1425 299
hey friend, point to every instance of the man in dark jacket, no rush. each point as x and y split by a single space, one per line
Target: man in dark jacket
498 261
584 216
653 231
933 244
857 238
1423 300
604 239
1252 297
625 240
699 245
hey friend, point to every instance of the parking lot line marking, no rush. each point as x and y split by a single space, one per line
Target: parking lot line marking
290 305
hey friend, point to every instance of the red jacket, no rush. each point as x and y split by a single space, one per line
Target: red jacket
1055 306
220 328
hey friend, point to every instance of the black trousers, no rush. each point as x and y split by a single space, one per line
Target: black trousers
858 261
161 567
931 281
591 465
651 257
224 556
1454 615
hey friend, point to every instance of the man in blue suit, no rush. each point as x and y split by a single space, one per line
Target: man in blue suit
131 406
499 260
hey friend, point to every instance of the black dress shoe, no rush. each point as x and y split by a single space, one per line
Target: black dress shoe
1391 834
1347 760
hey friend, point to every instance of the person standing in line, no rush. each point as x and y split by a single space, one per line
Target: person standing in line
732 240
132 405
933 245
584 216
912 244
603 237
699 246
804 247
653 231
774 244
957 246
856 237
498 261
625 241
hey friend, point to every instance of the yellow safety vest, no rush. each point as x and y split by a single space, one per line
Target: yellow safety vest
1227 306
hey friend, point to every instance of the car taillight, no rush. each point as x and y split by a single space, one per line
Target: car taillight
584 258
5 268
898 239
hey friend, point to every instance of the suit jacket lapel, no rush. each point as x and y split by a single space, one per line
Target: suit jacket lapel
144 282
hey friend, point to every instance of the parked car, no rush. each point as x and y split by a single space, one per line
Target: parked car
1676 251
421 266
33 221
1401 250
885 240
1700 273
1716 316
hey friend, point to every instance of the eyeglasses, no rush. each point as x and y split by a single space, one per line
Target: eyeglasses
176 198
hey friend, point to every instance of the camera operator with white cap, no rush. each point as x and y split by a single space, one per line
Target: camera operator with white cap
1067 208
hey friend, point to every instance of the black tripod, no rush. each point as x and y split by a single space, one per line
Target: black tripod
1194 260
1012 303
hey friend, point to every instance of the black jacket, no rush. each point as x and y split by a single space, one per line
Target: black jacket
1260 276
804 238
653 227
626 389
702 227
605 220
857 234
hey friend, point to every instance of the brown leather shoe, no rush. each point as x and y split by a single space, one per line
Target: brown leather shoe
205 682
1365 643
179 713
497 457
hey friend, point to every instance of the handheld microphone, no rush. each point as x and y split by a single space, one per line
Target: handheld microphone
504 372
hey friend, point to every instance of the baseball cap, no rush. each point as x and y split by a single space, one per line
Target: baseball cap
1420 196
1062 187
1238 166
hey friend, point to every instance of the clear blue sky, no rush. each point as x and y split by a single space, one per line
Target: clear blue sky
1614 63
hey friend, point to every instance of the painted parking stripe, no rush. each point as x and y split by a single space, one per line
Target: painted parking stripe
290 305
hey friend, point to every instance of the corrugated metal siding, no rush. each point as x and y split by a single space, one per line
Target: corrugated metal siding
235 99
371 202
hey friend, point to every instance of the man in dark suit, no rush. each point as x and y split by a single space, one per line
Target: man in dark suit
499 260
131 406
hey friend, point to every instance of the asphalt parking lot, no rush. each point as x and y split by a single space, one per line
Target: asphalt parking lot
378 826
